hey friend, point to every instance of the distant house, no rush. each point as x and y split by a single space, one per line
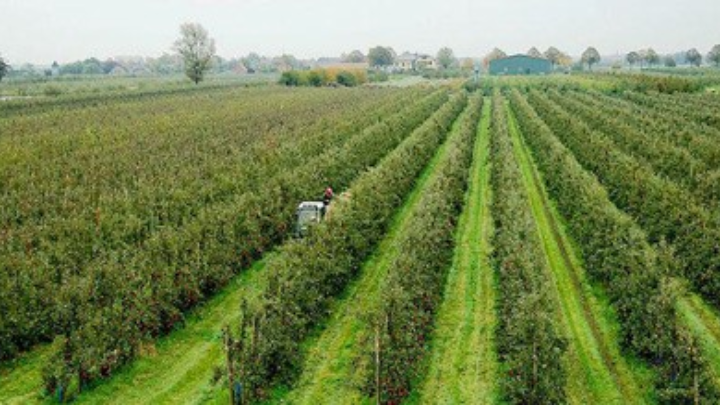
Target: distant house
413 62
405 62
520 65
426 62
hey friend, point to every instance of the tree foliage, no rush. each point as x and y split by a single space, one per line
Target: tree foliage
650 57
291 306
633 58
197 234
446 58
590 57
535 53
616 251
554 55
4 68
669 61
355 56
693 57
493 55
197 49
714 55
380 56
529 343
414 286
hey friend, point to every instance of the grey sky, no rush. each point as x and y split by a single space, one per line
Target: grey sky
40 31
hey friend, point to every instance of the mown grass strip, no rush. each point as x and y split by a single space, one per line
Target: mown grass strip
463 364
530 345
705 325
619 257
182 368
600 372
178 369
21 379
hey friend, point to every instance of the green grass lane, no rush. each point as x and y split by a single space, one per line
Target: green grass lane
597 373
21 379
178 369
331 374
704 323
181 370
463 362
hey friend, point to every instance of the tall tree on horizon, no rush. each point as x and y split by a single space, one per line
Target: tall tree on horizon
554 55
714 55
446 57
197 49
535 53
633 58
380 56
496 53
4 68
590 57
650 57
693 57
355 56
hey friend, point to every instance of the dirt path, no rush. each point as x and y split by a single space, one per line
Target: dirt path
597 373
463 364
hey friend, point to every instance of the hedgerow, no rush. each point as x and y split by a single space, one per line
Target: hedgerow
700 109
414 286
306 275
648 143
128 300
674 127
529 344
666 211
617 255
103 202
324 77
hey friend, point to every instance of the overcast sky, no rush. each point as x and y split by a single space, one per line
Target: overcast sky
40 31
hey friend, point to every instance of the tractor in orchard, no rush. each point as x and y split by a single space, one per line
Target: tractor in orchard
309 213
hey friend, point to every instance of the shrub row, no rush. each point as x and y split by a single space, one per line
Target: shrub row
664 210
648 142
127 300
324 77
529 344
617 255
414 286
680 130
692 108
73 228
306 275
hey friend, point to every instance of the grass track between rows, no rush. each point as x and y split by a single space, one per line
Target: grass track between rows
329 374
704 323
21 379
178 371
463 362
597 373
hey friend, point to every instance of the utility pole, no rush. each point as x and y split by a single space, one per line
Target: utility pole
227 339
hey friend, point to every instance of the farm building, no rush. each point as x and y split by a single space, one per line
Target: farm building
520 65
414 62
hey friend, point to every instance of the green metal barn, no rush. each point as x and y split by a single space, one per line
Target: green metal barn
520 65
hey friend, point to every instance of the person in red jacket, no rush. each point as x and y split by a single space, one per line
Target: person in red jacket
328 196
